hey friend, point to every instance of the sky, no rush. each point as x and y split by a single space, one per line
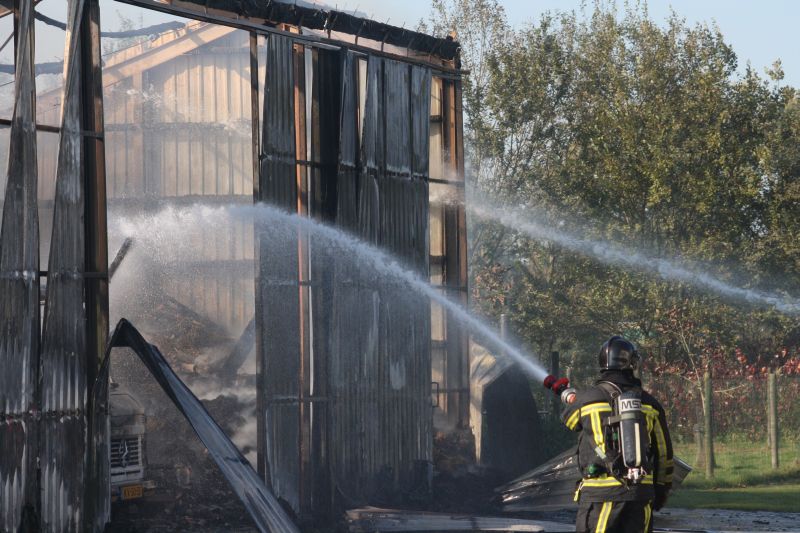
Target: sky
759 31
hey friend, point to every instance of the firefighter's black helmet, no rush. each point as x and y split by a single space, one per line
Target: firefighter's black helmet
618 353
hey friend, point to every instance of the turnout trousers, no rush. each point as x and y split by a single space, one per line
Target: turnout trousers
614 517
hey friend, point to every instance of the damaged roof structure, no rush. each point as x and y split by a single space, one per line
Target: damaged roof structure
328 115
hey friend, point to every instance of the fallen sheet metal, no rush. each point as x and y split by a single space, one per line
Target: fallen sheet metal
19 287
371 519
267 513
552 485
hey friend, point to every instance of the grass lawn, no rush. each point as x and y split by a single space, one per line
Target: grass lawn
783 498
743 480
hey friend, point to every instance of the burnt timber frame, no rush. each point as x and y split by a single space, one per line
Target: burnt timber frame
268 19
257 18
455 280
96 222
97 498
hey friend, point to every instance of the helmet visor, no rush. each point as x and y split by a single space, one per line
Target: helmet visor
622 355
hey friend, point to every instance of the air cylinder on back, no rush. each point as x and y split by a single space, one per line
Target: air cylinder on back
632 429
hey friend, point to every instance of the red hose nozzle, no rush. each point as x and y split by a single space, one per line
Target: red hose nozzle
557 385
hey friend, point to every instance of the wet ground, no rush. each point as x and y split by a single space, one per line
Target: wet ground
724 520
704 519
190 515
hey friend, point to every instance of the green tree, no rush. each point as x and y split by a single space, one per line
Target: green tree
635 132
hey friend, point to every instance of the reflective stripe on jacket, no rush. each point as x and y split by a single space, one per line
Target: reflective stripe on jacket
587 415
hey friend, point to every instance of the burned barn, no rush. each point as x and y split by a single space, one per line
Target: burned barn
325 114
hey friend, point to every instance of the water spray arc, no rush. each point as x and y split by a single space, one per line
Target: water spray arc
612 254
162 230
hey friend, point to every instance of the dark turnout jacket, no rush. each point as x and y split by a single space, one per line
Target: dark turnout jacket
587 415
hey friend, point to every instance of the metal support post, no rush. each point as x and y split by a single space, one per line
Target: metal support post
708 406
772 417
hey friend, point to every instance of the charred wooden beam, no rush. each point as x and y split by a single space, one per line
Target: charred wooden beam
231 13
326 19
120 257
230 365
97 490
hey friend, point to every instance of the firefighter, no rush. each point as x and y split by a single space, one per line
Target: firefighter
624 448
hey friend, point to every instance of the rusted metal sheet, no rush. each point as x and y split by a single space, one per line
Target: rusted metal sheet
267 513
279 350
552 485
63 453
19 287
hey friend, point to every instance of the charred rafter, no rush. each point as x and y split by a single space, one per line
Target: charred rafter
272 13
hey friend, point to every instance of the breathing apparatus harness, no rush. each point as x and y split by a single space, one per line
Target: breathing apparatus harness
625 433
627 453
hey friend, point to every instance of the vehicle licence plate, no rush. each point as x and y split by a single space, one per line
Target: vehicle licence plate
132 491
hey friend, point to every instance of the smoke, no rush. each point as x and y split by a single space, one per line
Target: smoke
613 254
173 235
245 436
172 108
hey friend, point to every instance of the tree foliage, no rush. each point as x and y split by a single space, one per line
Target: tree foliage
643 133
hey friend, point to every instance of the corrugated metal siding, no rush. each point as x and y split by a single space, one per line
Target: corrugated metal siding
52 380
350 347
372 341
405 315
324 190
420 121
380 356
19 287
279 351
64 447
348 178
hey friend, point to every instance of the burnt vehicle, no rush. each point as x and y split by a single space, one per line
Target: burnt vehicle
128 463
